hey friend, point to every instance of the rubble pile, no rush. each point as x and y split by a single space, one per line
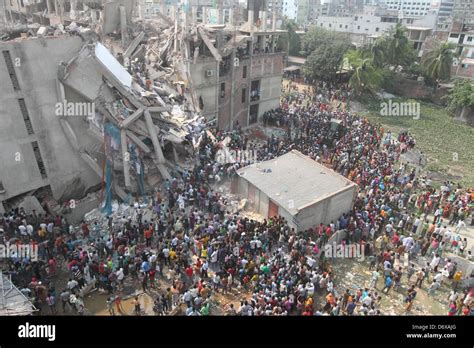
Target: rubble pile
147 121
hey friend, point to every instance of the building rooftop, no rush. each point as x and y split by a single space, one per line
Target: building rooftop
294 180
296 60
419 28
12 301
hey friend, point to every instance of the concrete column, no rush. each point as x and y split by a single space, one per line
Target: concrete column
48 5
250 20
94 15
72 12
231 16
163 7
125 158
220 13
140 9
175 30
274 15
264 20
173 13
194 14
61 10
204 15
56 7
123 26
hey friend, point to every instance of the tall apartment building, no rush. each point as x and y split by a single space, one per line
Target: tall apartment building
445 10
412 8
290 9
464 10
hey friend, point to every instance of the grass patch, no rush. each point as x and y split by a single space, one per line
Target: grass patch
437 136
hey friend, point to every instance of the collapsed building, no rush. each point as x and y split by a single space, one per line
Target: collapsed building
95 100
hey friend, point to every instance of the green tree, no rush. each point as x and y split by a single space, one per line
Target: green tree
366 77
393 49
439 60
378 51
324 62
294 39
462 95
325 50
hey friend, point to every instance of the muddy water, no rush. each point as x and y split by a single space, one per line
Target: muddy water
353 275
96 304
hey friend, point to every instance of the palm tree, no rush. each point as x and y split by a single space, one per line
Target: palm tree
392 48
378 50
438 61
366 78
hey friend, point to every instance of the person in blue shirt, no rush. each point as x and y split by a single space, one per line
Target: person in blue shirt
350 308
388 284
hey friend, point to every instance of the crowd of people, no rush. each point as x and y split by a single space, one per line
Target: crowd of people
192 246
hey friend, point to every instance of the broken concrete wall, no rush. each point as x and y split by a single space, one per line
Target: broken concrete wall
112 14
37 75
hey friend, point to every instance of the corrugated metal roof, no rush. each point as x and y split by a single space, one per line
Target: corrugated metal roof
294 180
296 60
12 301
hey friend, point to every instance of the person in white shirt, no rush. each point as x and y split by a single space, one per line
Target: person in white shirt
416 224
435 262
439 277
29 230
22 230
460 226
367 301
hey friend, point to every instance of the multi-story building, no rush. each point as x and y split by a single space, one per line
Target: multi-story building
239 77
412 8
462 35
445 10
290 9
51 12
366 27
464 10
36 152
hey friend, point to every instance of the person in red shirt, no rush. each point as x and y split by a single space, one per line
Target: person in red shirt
151 276
52 267
189 273
395 239
57 221
85 229
148 235
328 231
118 304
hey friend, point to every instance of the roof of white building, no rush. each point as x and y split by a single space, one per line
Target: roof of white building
295 181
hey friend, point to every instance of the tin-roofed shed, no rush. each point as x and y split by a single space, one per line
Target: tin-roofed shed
298 188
